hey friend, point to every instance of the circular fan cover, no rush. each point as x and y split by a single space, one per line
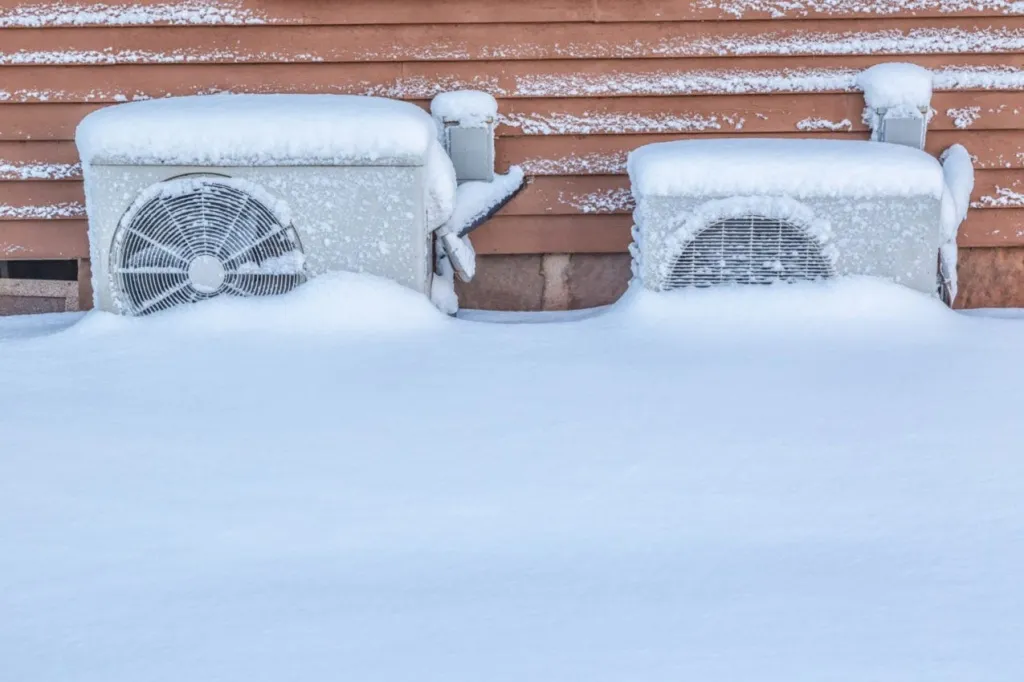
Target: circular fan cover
194 238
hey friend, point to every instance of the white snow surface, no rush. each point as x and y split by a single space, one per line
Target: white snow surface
245 130
789 484
896 84
799 168
475 199
469 107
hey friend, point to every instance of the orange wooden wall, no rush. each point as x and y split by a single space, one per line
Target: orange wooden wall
580 83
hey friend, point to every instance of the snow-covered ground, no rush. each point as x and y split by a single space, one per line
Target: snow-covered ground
791 484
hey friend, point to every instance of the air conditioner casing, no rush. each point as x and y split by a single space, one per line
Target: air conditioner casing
861 223
367 219
254 194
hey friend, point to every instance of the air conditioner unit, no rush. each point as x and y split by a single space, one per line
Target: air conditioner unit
744 212
196 197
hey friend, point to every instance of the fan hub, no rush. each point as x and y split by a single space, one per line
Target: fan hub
206 274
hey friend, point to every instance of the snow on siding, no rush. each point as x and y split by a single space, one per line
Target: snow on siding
618 200
684 83
781 8
622 84
196 12
39 171
964 117
884 42
589 123
578 164
809 124
1005 197
67 209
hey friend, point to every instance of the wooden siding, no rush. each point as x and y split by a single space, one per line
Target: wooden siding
580 83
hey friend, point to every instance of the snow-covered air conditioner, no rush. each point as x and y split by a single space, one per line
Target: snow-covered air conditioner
245 195
743 212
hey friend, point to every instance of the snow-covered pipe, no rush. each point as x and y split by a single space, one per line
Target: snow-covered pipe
958 170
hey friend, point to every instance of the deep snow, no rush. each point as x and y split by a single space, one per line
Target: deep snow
796 484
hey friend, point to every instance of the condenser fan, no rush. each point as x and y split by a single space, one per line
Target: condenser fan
194 238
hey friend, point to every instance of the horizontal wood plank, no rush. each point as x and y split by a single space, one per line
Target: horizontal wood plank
510 42
747 114
43 240
553 155
507 79
25 13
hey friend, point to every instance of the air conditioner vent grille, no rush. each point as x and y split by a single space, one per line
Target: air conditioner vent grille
748 250
195 239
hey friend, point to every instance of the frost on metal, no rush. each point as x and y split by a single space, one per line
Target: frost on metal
196 12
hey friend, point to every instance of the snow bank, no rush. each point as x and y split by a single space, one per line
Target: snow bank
799 168
471 108
896 84
476 200
333 303
599 500
840 306
259 130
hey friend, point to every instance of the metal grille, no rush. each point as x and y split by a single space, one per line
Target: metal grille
748 250
200 238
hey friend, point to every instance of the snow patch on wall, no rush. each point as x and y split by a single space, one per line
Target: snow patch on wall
887 42
677 83
618 200
809 124
596 123
578 164
964 117
67 209
781 8
199 12
40 171
1005 197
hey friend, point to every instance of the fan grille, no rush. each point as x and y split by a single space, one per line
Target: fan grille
198 238
749 250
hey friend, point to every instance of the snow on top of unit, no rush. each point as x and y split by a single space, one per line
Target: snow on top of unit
783 167
258 130
896 84
469 107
